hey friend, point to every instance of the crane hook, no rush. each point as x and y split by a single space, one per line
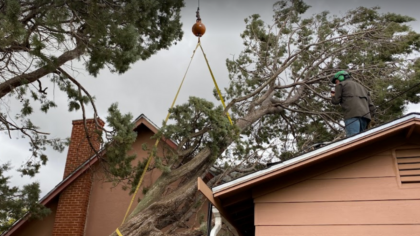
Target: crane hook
198 28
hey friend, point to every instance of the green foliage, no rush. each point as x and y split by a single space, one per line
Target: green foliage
115 35
203 227
118 162
75 96
285 68
37 37
138 171
199 124
145 189
15 202
125 36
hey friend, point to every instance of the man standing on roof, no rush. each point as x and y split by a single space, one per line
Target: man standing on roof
355 100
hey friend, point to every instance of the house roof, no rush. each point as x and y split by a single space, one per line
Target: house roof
235 199
140 120
347 142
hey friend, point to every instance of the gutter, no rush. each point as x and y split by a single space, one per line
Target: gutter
243 180
218 222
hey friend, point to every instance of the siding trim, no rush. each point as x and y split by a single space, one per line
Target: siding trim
398 165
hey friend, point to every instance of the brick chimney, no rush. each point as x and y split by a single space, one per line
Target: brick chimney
79 149
73 201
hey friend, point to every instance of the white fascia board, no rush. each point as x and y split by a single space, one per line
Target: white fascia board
314 153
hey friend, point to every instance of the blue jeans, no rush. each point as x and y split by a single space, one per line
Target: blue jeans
355 125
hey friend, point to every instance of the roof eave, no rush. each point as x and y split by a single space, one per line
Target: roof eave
316 155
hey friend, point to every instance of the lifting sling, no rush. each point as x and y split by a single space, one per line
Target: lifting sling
166 120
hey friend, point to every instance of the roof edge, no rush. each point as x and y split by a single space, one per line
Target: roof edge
79 171
309 155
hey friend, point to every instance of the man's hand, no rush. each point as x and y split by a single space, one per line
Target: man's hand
332 93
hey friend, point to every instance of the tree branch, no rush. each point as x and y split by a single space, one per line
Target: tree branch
10 84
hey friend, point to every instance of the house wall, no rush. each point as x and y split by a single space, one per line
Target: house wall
43 227
108 203
362 198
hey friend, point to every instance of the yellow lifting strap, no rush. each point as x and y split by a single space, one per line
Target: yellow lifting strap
164 123
215 84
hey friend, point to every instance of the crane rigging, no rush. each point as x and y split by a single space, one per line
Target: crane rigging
198 30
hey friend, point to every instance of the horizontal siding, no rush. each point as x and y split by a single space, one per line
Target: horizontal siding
338 213
408 160
407 152
375 166
409 179
409 172
409 166
362 198
357 189
373 178
370 230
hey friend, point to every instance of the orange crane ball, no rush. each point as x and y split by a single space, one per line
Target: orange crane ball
199 29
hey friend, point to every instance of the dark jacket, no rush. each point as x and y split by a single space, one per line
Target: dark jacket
354 99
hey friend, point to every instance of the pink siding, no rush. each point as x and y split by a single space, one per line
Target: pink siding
108 204
363 198
341 230
403 212
42 227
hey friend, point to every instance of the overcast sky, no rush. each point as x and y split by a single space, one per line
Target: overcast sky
149 86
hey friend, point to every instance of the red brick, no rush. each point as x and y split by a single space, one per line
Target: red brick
73 201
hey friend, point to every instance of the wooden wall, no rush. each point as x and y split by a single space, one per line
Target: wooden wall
362 198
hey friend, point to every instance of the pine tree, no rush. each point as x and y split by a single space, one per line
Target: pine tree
279 100
38 37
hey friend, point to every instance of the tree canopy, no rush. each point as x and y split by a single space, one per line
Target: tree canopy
38 38
285 70
278 95
279 99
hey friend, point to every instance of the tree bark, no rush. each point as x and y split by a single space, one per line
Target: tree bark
152 218
10 84
147 216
